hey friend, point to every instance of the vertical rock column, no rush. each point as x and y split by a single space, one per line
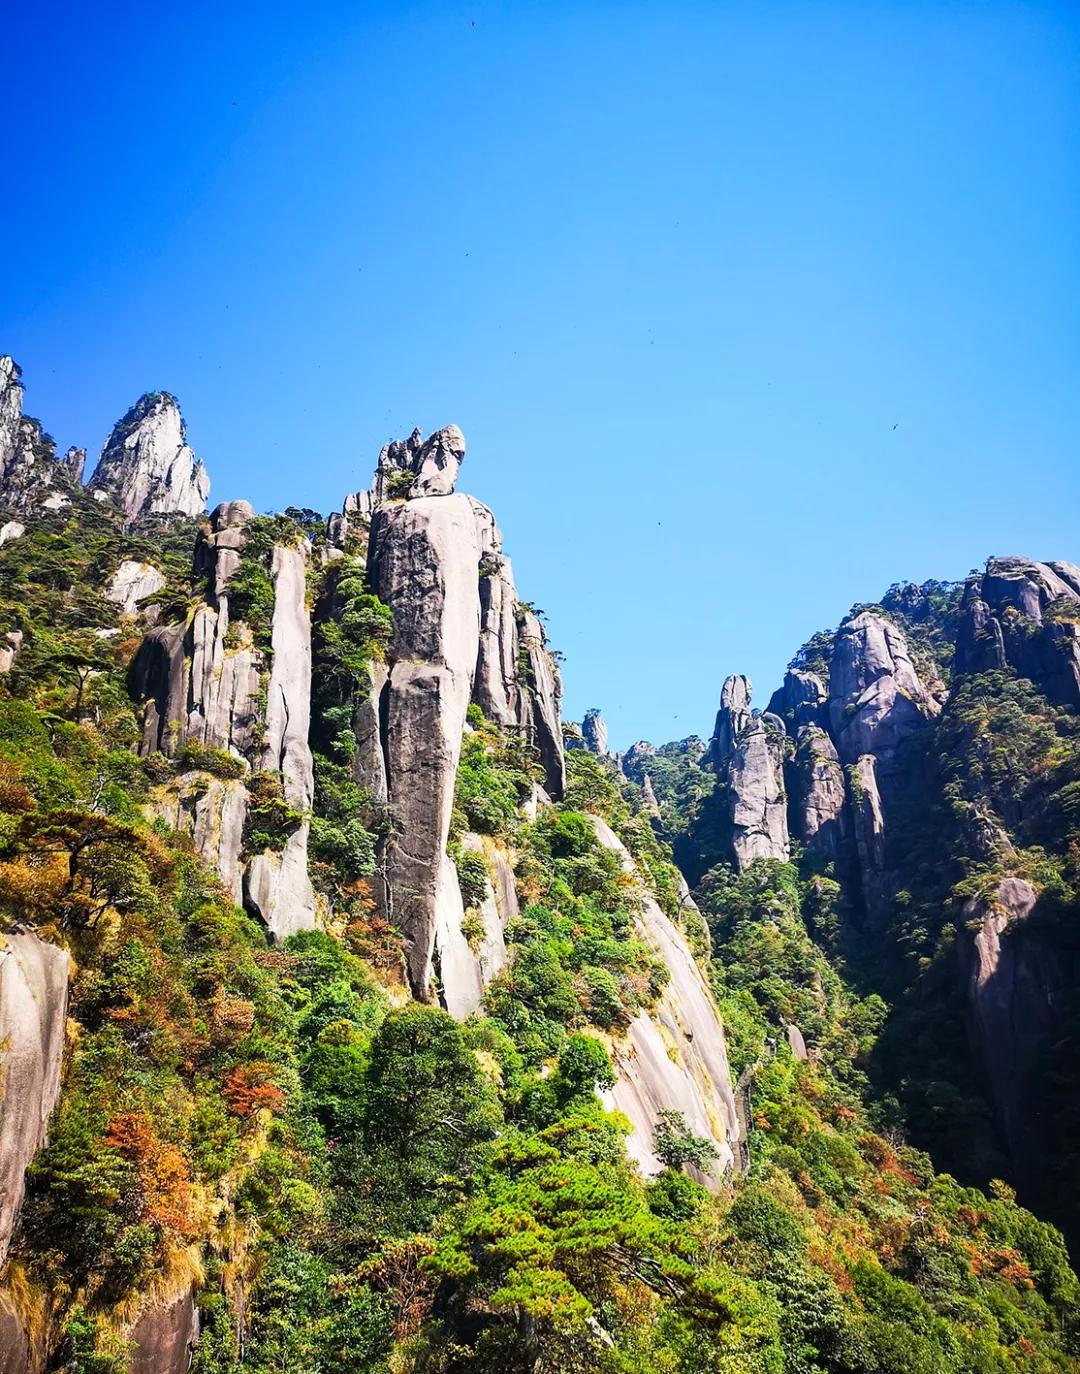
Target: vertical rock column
276 885
424 558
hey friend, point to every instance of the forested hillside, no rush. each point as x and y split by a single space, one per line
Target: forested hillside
353 1019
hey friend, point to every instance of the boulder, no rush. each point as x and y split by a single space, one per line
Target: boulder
11 529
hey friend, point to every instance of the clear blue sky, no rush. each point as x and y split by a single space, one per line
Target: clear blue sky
746 310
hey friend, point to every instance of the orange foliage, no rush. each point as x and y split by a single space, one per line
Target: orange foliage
250 1088
163 1173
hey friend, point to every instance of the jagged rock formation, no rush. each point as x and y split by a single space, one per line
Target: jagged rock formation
818 810
276 884
202 683
146 464
674 1057
460 635
801 700
31 477
131 582
1025 615
33 1006
747 752
594 732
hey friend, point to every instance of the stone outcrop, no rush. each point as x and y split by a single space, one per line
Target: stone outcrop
1024 615
202 683
594 732
133 581
276 883
198 682
1015 988
802 700
32 479
432 464
11 529
673 1058
423 561
146 465
10 645
22 1333
33 1008
818 810
747 752
876 697
868 816
164 1336
460 636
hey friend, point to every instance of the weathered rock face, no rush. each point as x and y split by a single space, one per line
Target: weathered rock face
673 1058
22 1337
869 824
11 529
433 463
819 815
1025 615
10 645
276 885
594 732
423 560
131 582
1014 984
467 965
802 700
460 635
876 698
33 1008
648 795
31 477
747 752
163 1338
201 683
146 464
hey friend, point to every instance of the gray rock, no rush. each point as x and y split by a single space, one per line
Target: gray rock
12 529
131 582
818 807
594 732
648 795
544 698
876 697
433 462
9 649
673 1058
164 1336
747 752
869 825
146 464
801 700
212 811
423 560
33 1009
795 1040
1006 622
22 1334
276 885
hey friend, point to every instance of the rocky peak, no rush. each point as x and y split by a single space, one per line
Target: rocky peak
146 464
731 719
594 732
433 464
11 394
747 753
801 700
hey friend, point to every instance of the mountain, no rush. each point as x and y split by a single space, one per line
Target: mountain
356 1014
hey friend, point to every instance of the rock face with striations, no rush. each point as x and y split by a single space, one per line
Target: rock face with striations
674 1057
594 732
202 683
33 1008
146 464
747 752
459 636
1025 615
818 810
876 697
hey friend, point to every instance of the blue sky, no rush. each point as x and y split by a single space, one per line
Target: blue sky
746 310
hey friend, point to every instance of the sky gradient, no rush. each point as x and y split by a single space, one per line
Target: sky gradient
746 311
